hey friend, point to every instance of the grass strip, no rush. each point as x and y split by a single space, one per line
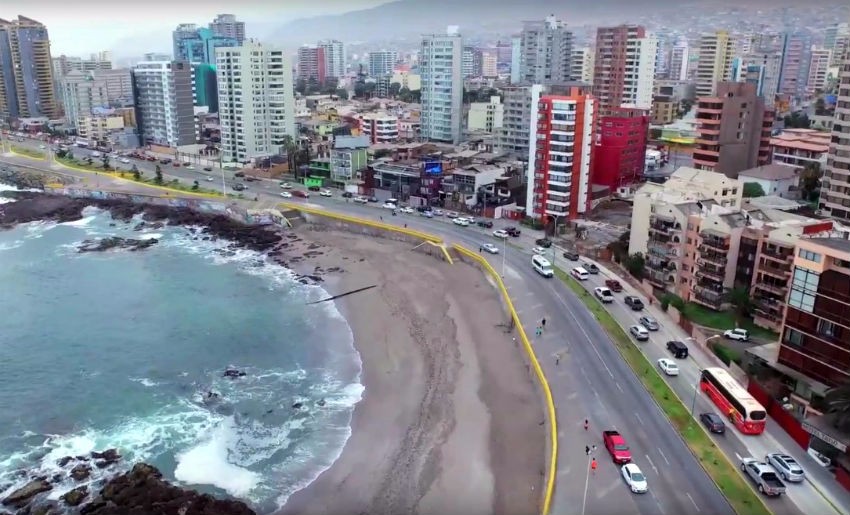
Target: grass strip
28 152
744 500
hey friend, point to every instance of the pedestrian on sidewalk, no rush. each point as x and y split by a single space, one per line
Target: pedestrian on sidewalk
543 323
479 250
593 465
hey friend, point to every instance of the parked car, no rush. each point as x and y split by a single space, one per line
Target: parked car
347 194
239 174
603 294
207 169
125 160
737 334
649 322
374 200
407 210
438 212
633 302
613 284
361 200
176 164
427 214
251 178
639 332
787 466
571 255
387 205
764 476
668 366
452 214
285 194
543 242
634 478
326 193
302 194
500 234
463 222
538 250
513 231
713 422
616 446
485 223
239 187
489 247
314 188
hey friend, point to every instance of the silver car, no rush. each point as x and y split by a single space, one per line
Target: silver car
786 466
649 322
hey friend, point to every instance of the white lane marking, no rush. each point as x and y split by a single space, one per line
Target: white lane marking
663 456
739 457
692 500
592 345
639 419
595 393
619 387
651 463
658 502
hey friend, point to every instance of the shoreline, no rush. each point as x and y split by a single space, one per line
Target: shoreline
448 418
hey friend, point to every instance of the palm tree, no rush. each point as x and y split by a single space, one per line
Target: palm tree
837 401
740 299
291 149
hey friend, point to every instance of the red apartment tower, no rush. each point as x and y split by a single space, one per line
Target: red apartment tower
560 156
620 153
311 64
611 66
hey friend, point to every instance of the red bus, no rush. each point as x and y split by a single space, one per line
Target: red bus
736 403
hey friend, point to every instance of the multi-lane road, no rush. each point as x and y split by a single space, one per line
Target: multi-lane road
588 378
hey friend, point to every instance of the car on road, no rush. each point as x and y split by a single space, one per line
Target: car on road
326 193
649 322
374 200
668 366
188 167
388 205
764 476
471 220
125 160
616 446
42 147
207 168
543 242
438 212
285 185
427 214
736 334
302 194
633 302
361 200
513 232
591 268
639 332
787 466
485 224
489 247
347 194
314 188
603 294
614 285
713 423
499 233
678 349
407 210
571 255
463 222
452 214
239 187
634 478
285 194
176 164
538 250
210 179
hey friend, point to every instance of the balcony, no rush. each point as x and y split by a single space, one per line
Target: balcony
663 225
660 249
776 254
713 240
717 259
710 273
782 272
707 298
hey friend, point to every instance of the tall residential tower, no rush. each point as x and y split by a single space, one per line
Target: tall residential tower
440 62
545 51
26 71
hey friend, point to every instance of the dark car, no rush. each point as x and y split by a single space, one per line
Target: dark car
239 174
614 285
485 223
713 422
251 179
572 256
591 268
314 188
633 302
513 231
238 187
678 349
302 194
207 169
165 161
347 194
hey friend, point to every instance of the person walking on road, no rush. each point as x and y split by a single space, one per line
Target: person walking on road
586 423
593 465
543 323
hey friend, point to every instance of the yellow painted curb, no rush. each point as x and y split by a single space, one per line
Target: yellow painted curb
12 150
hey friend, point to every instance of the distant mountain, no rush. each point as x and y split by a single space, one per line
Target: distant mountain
410 18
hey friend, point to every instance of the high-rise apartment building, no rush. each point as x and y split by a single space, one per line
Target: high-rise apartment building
197 44
819 60
760 69
620 150
560 156
256 101
440 60
164 105
624 67
471 62
581 68
520 102
794 73
835 191
489 65
679 59
516 59
335 63
312 64
382 62
733 130
27 88
545 51
486 116
226 26
714 64
837 39
84 91
64 64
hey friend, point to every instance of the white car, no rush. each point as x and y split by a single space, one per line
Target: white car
452 214
634 478
42 147
668 366
538 250
326 193
463 222
501 234
210 179
438 212
285 194
125 160
285 185
471 220
189 167
603 294
639 332
489 247
389 205
737 334
361 200
407 210
787 466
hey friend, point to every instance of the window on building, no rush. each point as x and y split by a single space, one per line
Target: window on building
826 328
809 255
805 280
793 337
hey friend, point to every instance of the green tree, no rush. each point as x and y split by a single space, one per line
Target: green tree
342 93
61 153
740 299
752 190
810 183
301 86
837 401
797 120
137 175
89 160
158 175
69 155
195 186
405 95
395 87
105 162
635 264
291 149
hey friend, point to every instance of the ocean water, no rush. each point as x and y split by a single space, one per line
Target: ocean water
118 349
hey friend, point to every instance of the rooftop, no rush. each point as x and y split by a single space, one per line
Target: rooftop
839 244
771 172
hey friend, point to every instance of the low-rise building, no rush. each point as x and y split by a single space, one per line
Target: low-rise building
486 116
348 160
466 183
620 150
800 147
380 127
774 179
664 110
406 79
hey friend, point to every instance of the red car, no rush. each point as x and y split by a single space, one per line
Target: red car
300 193
617 447
614 285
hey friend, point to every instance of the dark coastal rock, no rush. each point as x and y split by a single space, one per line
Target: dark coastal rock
142 491
75 496
233 373
115 242
297 405
64 461
139 226
80 472
24 495
108 455
48 508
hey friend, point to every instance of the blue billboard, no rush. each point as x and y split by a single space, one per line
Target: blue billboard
433 167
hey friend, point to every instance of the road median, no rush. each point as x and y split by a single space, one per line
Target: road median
741 496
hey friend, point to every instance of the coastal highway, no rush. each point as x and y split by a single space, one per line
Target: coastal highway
590 380
805 497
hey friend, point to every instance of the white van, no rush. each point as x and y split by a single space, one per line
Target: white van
542 266
580 273
393 201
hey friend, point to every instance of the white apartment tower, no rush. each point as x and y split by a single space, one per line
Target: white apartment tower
440 61
679 55
714 64
820 58
581 68
334 58
834 201
382 63
545 51
256 100
164 107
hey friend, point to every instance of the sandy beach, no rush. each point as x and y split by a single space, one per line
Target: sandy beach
450 421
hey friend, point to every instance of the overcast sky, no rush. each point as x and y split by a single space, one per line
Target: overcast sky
134 27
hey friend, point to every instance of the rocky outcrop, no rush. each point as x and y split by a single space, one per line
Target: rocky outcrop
142 490
75 496
80 472
114 242
24 495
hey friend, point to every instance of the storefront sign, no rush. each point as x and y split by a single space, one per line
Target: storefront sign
826 438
